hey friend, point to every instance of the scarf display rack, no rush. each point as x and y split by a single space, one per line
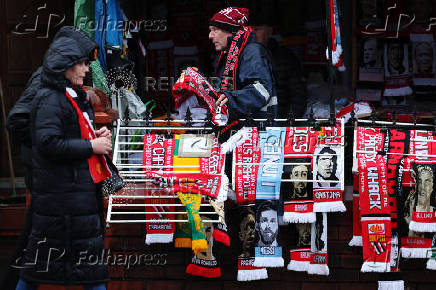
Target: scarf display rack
125 207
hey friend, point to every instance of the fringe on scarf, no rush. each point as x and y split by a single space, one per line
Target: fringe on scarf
375 267
251 275
415 252
299 266
422 227
391 285
356 241
159 238
403 91
303 218
196 270
182 243
199 245
271 262
318 269
431 264
333 206
235 140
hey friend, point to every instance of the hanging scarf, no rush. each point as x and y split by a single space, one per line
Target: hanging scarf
204 263
396 141
328 170
271 164
424 62
299 147
318 260
431 263
423 150
191 82
98 167
245 167
158 152
246 269
357 227
397 79
335 30
267 251
375 211
297 195
299 253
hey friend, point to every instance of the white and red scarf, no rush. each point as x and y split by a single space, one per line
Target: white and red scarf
98 167
300 249
192 82
246 158
335 30
158 157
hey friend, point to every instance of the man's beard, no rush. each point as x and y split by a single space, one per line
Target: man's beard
268 236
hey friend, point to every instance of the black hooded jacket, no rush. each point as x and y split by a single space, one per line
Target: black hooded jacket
67 227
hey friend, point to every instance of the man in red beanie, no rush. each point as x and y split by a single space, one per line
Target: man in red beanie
247 82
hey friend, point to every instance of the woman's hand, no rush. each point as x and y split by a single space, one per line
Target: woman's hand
101 145
222 100
104 132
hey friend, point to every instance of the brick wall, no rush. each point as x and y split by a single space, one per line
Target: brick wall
128 239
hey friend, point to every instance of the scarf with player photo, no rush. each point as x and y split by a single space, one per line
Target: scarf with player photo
192 82
397 75
267 251
424 60
299 252
318 257
246 269
205 263
245 166
356 240
158 156
299 147
269 175
297 195
328 173
423 216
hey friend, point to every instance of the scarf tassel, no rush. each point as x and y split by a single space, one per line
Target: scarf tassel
333 206
299 266
318 269
251 275
197 270
419 253
159 238
356 241
375 267
273 262
182 243
422 227
431 264
391 285
199 245
293 217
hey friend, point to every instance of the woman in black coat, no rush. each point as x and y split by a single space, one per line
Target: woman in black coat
66 244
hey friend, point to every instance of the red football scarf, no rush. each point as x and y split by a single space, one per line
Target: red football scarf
246 160
232 58
300 145
192 82
98 167
335 30
374 206
158 157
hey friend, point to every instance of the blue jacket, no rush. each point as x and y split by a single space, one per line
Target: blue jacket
256 83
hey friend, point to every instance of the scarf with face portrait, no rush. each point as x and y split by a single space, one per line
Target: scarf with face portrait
318 252
397 75
424 61
246 269
299 253
297 194
328 169
204 263
267 251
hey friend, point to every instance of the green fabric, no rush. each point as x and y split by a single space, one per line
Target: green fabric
84 19
192 203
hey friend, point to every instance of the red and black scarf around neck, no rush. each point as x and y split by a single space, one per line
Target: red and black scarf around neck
231 56
98 166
